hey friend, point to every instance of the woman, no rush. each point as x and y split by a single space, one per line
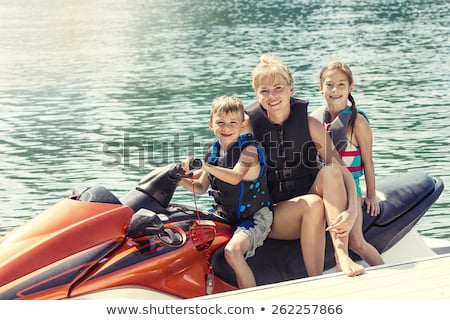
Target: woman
304 192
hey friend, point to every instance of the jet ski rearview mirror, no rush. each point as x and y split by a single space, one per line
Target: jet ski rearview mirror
144 223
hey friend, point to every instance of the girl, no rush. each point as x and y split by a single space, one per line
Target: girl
352 136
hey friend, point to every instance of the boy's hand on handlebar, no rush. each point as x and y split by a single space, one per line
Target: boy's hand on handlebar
185 165
195 163
191 164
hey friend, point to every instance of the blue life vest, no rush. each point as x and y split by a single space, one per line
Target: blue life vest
248 196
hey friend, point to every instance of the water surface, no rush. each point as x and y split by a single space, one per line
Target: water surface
101 92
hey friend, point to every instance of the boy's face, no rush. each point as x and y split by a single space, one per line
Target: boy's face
227 127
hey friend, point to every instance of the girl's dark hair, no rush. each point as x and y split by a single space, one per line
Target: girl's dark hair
352 119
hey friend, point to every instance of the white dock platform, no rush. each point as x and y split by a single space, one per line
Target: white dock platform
424 278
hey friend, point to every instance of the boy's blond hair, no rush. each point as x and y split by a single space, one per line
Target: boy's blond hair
227 104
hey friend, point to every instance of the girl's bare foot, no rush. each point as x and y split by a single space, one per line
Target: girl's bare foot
349 267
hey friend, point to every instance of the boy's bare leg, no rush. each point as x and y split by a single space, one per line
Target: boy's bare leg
235 256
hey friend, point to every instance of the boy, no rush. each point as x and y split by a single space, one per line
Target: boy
235 169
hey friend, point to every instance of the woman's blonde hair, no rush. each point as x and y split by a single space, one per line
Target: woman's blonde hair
270 66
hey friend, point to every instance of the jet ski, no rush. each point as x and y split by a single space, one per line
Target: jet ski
93 244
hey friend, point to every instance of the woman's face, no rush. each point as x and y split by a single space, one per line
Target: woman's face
274 94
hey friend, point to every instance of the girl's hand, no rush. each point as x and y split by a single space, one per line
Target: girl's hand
372 206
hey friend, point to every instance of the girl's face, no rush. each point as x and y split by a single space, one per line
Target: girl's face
335 88
274 94
226 127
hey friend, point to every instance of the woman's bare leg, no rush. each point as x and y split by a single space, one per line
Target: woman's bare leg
302 217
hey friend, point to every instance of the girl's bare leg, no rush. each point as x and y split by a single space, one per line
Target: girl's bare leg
302 217
360 246
330 185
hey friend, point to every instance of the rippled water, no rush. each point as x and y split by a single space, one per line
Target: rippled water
103 91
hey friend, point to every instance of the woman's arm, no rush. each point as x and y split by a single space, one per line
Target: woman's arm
329 155
248 125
